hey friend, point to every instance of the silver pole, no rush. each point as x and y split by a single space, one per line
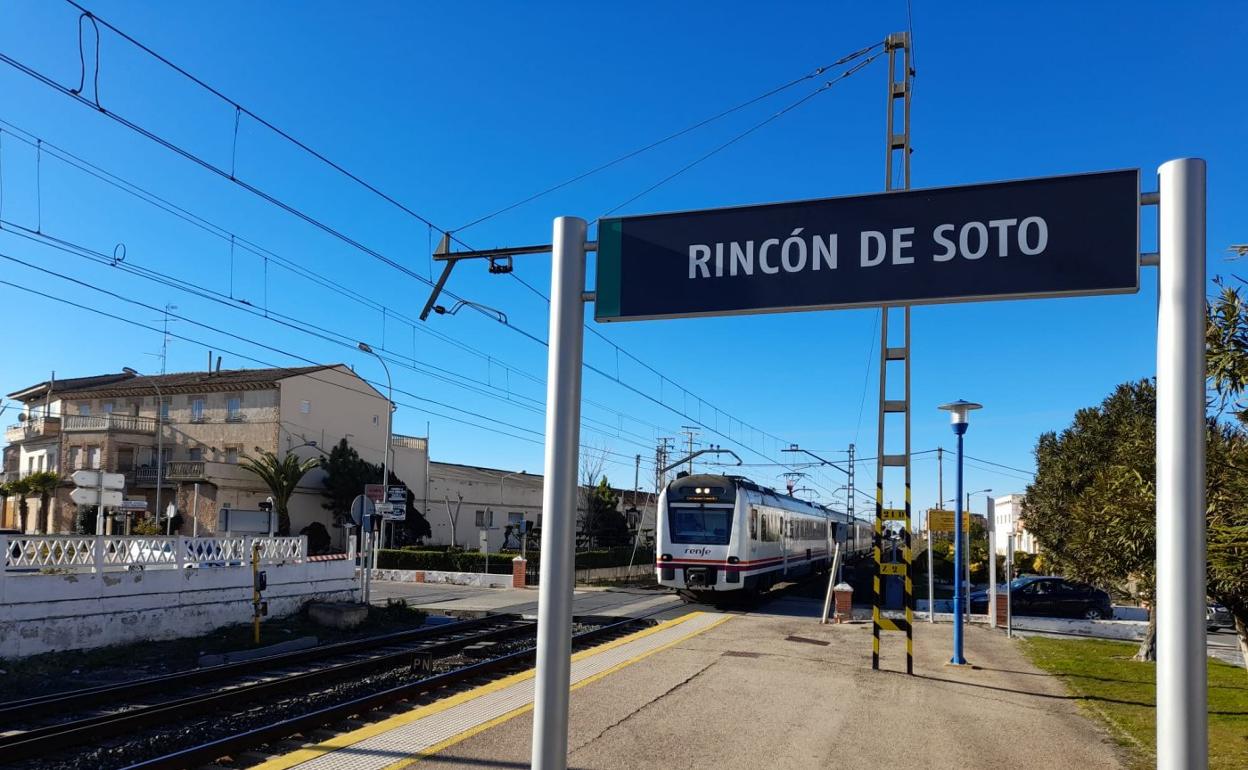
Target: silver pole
563 420
160 425
1182 690
990 514
195 513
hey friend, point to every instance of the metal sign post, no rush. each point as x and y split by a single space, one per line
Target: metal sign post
1182 688
563 429
1059 236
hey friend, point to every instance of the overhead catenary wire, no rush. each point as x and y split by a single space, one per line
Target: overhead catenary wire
719 148
669 137
272 199
241 243
271 348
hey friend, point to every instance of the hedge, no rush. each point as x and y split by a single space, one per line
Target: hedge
500 563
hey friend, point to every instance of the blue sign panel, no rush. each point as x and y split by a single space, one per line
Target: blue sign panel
1056 236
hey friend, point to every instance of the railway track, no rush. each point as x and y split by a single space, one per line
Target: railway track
137 713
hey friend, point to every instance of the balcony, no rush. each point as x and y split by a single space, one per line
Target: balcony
146 477
108 423
36 427
185 470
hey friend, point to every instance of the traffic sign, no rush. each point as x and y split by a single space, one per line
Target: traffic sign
91 478
1054 236
943 521
361 507
374 492
132 505
89 496
396 495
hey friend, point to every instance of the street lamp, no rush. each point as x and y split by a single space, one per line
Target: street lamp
385 461
959 411
160 442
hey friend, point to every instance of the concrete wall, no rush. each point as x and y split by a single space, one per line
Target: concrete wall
48 613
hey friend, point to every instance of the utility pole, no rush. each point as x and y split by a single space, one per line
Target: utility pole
690 432
849 490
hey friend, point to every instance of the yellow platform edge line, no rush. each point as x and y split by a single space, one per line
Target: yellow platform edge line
299 756
465 735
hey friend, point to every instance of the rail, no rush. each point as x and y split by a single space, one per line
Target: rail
86 553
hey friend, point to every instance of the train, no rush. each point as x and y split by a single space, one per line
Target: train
723 535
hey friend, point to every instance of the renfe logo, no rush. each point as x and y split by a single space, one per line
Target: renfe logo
698 551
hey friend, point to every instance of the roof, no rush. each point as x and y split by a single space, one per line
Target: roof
180 382
39 390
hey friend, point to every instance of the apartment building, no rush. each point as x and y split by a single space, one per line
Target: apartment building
189 430
1008 511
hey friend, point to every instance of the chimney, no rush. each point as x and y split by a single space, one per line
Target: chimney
209 363
218 364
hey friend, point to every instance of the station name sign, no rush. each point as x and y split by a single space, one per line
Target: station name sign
1055 236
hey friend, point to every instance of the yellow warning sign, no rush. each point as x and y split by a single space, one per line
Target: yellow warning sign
943 521
895 514
898 568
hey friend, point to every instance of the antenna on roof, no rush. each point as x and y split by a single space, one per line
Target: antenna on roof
218 364
210 363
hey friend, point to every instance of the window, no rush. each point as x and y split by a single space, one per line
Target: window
485 519
75 458
164 409
305 407
30 466
701 525
107 406
231 454
376 419
197 410
753 523
234 408
84 409
93 457
196 453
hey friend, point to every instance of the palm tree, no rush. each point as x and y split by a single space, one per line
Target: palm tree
281 477
20 488
43 483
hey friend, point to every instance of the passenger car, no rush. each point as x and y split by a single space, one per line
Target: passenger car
1052 597
1218 617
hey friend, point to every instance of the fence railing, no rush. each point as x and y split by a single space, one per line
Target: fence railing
76 553
122 423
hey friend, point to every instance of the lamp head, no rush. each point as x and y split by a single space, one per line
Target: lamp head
960 410
364 346
129 371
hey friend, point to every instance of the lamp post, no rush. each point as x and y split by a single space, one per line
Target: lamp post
385 461
160 435
958 412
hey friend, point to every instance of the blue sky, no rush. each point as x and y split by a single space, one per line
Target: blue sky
457 110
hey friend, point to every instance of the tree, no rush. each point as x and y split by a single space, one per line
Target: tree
346 473
43 483
607 525
345 476
1092 506
281 476
1226 346
21 489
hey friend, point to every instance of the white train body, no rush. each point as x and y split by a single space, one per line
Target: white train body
726 533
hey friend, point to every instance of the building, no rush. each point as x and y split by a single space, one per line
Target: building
206 422
1009 521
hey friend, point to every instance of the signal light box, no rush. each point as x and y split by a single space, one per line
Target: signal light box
1048 237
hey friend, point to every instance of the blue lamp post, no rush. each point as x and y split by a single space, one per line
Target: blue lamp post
958 412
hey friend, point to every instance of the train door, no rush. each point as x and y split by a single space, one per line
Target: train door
784 540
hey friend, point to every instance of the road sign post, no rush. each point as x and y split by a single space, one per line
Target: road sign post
1060 236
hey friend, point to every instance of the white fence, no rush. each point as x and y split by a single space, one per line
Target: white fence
75 553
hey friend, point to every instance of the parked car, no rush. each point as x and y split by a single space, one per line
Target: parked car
1050 597
1218 617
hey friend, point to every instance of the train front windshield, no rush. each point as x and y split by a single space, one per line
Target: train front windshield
700 526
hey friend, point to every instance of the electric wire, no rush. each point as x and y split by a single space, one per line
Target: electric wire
842 76
310 361
675 135
272 199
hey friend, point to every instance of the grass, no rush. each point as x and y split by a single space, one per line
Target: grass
75 669
1120 692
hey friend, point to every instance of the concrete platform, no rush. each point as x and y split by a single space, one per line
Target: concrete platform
764 691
